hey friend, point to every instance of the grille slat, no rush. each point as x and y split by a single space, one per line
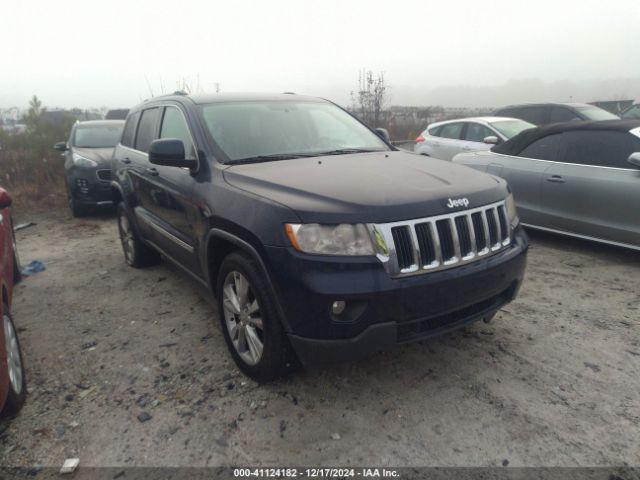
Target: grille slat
404 249
104 175
444 241
464 235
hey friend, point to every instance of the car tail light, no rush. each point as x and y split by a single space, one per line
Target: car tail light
420 139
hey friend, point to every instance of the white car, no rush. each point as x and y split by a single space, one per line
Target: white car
444 140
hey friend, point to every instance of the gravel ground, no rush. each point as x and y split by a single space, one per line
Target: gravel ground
129 367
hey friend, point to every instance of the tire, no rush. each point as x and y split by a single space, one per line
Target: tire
136 253
17 378
76 210
255 316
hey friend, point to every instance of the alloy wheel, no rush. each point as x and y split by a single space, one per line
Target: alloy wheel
243 318
14 361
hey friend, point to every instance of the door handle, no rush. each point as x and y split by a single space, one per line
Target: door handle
152 171
126 160
555 179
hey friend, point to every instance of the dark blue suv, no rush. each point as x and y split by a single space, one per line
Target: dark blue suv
320 240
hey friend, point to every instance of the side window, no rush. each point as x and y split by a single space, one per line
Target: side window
174 125
452 130
543 149
477 133
600 148
129 132
535 115
562 114
435 131
147 129
633 112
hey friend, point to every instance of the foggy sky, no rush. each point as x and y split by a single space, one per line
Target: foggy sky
476 53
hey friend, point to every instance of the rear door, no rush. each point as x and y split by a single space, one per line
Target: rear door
594 191
524 175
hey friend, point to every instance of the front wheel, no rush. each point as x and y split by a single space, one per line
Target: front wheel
136 253
17 379
249 319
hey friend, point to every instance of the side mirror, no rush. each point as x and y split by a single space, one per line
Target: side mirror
61 146
634 159
5 198
490 140
170 153
383 134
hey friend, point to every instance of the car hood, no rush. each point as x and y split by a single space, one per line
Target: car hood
102 156
372 187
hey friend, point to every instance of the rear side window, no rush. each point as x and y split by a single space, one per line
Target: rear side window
543 149
477 133
563 114
147 129
175 126
535 115
600 148
129 132
451 130
435 131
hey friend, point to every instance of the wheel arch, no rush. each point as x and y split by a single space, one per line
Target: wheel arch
219 243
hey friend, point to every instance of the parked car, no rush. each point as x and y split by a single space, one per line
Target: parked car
579 179
444 140
545 113
13 386
633 112
88 164
319 239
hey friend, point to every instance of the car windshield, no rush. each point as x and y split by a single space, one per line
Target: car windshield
633 112
510 128
276 130
596 113
97 136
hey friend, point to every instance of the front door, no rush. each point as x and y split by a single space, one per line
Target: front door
594 191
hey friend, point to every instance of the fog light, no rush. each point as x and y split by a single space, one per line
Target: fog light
338 307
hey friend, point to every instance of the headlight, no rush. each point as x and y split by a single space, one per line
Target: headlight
81 161
512 213
340 239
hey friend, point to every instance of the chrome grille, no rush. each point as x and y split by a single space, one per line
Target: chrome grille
435 243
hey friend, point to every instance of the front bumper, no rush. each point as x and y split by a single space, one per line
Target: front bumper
384 311
88 189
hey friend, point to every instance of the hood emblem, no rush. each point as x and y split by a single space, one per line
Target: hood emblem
458 202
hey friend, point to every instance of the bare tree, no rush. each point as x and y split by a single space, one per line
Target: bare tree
370 99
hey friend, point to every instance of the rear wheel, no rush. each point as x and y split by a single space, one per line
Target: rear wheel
136 253
17 379
249 319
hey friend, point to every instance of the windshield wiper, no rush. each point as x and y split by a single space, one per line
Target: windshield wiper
269 158
345 151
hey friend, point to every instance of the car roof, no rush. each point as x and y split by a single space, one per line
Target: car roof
544 104
518 143
204 98
100 123
483 120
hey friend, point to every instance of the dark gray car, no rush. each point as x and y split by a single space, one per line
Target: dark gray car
546 113
88 163
580 179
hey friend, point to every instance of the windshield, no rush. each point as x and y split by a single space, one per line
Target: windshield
510 128
97 136
633 112
285 129
595 113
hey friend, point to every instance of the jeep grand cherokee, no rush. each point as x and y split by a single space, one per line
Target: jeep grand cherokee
318 238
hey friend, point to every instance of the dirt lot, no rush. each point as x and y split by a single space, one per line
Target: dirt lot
552 381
